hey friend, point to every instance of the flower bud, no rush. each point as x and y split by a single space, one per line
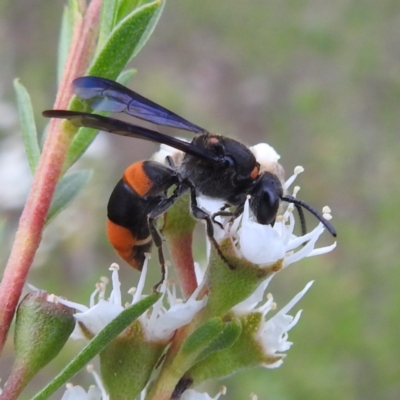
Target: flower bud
42 327
128 361
232 279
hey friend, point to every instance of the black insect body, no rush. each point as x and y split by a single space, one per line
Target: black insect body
214 166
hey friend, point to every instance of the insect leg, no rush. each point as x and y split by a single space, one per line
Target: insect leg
198 213
161 208
223 213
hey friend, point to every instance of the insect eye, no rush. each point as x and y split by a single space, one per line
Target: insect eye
228 162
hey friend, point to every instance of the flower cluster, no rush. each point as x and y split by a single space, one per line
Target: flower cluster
228 323
158 325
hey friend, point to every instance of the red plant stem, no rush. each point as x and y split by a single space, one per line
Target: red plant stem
58 140
181 251
15 383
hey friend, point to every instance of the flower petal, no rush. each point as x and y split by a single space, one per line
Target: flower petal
260 244
96 318
252 301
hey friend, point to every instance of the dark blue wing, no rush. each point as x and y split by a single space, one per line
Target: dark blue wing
105 95
122 128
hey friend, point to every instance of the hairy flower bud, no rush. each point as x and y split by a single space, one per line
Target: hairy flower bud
42 327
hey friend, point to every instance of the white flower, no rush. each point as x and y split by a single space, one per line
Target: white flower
159 323
212 206
265 245
268 158
94 393
78 393
265 153
272 334
191 394
165 151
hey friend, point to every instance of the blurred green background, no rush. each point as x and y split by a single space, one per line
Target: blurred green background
320 81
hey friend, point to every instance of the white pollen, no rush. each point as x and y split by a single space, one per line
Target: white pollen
327 216
132 290
298 170
326 209
114 267
90 368
104 280
52 298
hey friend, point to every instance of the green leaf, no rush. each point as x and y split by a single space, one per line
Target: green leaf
28 125
109 13
124 40
71 15
85 136
149 29
67 189
113 57
127 6
202 337
82 140
97 344
126 76
226 339
64 42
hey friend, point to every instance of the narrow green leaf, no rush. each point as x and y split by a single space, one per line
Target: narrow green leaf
28 125
81 142
109 13
67 189
71 15
75 7
124 40
202 337
226 339
149 29
64 42
85 136
97 344
116 53
126 76
127 6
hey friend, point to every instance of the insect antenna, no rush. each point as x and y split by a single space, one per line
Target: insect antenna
302 219
298 204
